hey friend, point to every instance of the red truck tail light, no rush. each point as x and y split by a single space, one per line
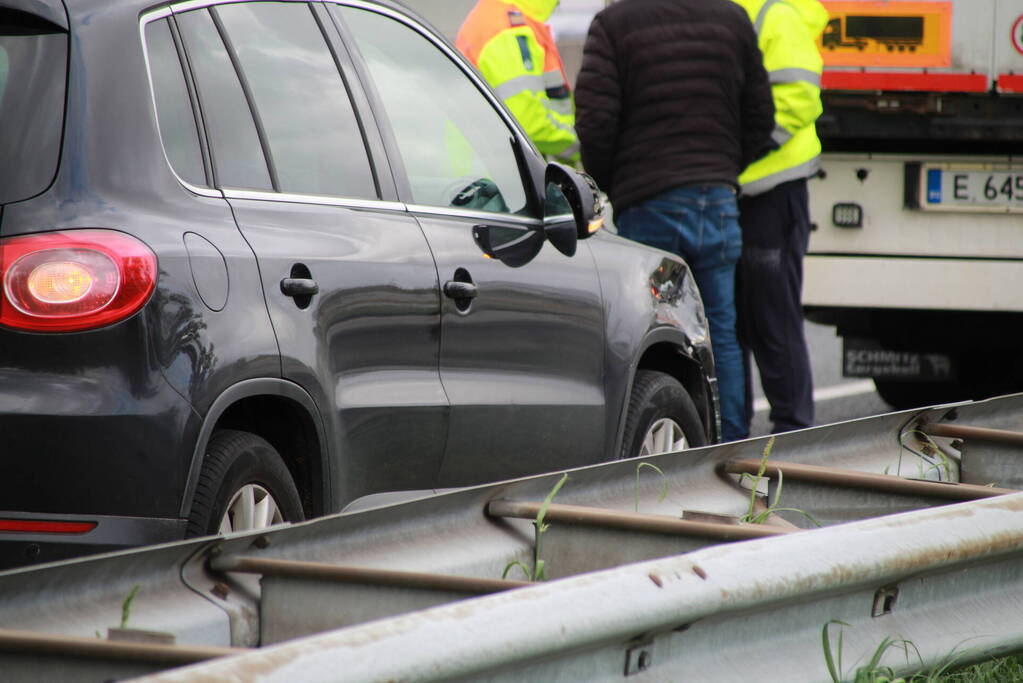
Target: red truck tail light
73 280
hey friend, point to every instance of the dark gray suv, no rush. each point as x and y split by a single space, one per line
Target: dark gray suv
260 259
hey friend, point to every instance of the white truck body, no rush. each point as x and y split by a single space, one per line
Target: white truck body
923 164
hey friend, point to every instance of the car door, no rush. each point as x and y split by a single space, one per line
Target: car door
522 348
347 274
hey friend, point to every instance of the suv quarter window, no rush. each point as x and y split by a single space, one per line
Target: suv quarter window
456 148
33 76
174 113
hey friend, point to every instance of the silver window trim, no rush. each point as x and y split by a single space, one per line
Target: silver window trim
320 200
485 216
189 5
144 21
559 218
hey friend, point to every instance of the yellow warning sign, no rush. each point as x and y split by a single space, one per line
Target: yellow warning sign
887 33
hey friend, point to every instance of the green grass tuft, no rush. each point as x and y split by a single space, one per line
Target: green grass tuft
538 571
1004 670
126 605
752 516
664 482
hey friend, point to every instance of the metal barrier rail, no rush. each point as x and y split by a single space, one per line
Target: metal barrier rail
832 476
741 612
371 577
632 521
341 572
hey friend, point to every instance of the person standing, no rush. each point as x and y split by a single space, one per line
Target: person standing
515 52
672 102
774 211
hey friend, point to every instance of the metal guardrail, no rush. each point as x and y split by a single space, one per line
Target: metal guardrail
335 575
946 580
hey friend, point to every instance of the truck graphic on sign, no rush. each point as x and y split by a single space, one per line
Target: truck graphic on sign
894 33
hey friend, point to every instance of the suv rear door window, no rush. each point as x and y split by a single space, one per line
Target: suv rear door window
313 137
33 74
238 159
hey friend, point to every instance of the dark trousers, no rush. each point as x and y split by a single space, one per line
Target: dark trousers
775 233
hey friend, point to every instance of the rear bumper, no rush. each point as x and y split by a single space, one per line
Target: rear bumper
98 441
19 548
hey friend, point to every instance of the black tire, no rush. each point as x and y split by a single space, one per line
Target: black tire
981 374
234 460
656 395
904 395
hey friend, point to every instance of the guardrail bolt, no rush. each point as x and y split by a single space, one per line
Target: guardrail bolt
639 659
221 590
884 600
261 542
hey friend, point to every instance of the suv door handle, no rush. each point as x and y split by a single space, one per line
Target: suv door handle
299 286
460 290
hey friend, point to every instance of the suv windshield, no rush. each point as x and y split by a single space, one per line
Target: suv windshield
33 69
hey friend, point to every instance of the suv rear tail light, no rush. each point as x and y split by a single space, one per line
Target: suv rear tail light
73 280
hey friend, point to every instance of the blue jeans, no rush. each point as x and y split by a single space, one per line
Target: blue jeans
700 223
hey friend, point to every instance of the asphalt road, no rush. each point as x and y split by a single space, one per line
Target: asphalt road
837 398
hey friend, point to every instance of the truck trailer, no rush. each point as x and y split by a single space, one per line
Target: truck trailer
917 250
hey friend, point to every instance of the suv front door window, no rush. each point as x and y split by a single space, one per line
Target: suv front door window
455 147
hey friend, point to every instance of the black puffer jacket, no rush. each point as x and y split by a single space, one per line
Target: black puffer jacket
671 93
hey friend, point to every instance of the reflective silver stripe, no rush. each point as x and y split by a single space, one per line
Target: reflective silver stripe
562 106
762 14
531 83
780 135
761 185
554 79
523 83
568 152
558 124
795 75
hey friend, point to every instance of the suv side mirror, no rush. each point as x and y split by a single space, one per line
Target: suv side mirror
573 207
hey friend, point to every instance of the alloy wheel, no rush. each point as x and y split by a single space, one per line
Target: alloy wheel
251 507
664 436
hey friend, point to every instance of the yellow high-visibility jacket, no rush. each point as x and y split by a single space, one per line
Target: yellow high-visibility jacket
513 48
787 32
